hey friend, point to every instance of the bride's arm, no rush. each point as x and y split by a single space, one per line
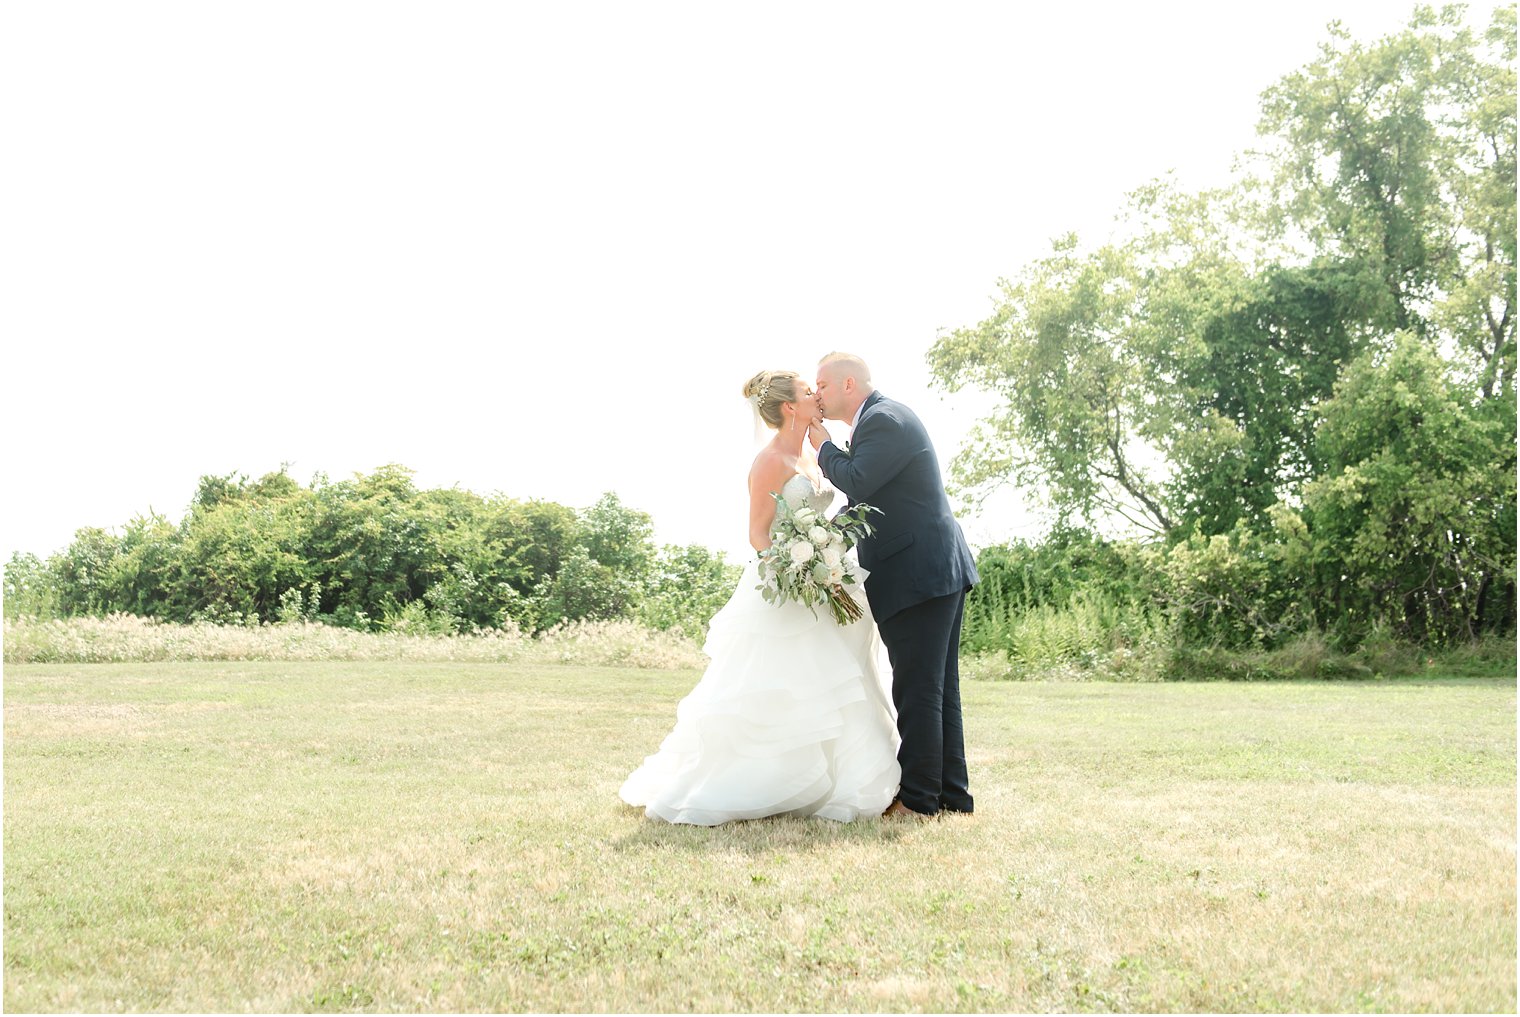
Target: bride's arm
765 477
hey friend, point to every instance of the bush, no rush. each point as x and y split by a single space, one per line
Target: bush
1227 590
30 588
1236 606
686 587
1020 577
372 552
587 590
1413 521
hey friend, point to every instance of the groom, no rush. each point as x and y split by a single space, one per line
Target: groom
920 569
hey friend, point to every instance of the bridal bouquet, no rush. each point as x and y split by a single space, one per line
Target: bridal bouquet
806 561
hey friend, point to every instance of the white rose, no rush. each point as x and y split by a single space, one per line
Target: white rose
837 542
801 552
836 576
818 535
831 556
804 517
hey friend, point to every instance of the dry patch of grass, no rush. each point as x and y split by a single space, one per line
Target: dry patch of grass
122 638
425 836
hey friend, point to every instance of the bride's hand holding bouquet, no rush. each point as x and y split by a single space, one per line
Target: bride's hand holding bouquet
806 561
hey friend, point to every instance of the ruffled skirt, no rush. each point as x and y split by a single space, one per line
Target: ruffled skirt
791 718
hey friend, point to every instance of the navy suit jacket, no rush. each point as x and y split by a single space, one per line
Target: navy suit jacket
918 551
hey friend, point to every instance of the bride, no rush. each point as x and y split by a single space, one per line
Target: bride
791 717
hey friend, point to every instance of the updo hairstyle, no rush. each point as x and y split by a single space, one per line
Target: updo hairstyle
768 390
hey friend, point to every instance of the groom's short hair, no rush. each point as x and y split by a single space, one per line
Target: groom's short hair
853 366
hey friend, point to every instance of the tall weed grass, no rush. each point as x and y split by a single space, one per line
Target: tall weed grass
1100 637
1093 636
129 638
1092 639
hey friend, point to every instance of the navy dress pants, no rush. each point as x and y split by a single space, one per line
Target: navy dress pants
923 644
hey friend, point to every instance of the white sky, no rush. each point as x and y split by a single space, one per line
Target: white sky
537 248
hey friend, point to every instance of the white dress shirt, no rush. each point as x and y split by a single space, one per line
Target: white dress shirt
858 410
854 421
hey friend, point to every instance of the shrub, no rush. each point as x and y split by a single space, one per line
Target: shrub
31 589
1226 590
1021 577
686 587
1413 519
359 552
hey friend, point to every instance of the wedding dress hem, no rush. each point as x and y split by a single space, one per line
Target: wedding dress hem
791 717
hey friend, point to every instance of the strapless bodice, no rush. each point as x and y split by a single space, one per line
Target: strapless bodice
799 491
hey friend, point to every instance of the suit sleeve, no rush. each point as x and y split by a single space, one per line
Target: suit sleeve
879 449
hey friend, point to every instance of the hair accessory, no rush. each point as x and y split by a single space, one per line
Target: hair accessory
759 397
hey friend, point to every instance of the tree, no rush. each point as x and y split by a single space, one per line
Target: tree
236 560
618 537
369 547
1398 158
1412 526
603 576
1171 376
1075 419
1255 371
83 571
142 575
1303 382
1165 379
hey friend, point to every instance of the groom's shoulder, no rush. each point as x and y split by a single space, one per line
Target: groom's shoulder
892 409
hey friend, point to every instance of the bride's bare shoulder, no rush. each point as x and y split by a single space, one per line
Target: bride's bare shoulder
770 469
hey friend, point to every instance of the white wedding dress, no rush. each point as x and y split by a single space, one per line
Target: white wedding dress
791 717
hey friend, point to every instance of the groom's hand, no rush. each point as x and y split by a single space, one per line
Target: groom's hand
817 434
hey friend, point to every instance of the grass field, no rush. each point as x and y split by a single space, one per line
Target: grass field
428 836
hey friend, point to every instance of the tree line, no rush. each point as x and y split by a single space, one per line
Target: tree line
375 551
1296 393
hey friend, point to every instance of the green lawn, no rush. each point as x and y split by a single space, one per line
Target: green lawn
399 836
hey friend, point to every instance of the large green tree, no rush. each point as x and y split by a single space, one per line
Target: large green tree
1398 158
1171 377
1412 526
1313 367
